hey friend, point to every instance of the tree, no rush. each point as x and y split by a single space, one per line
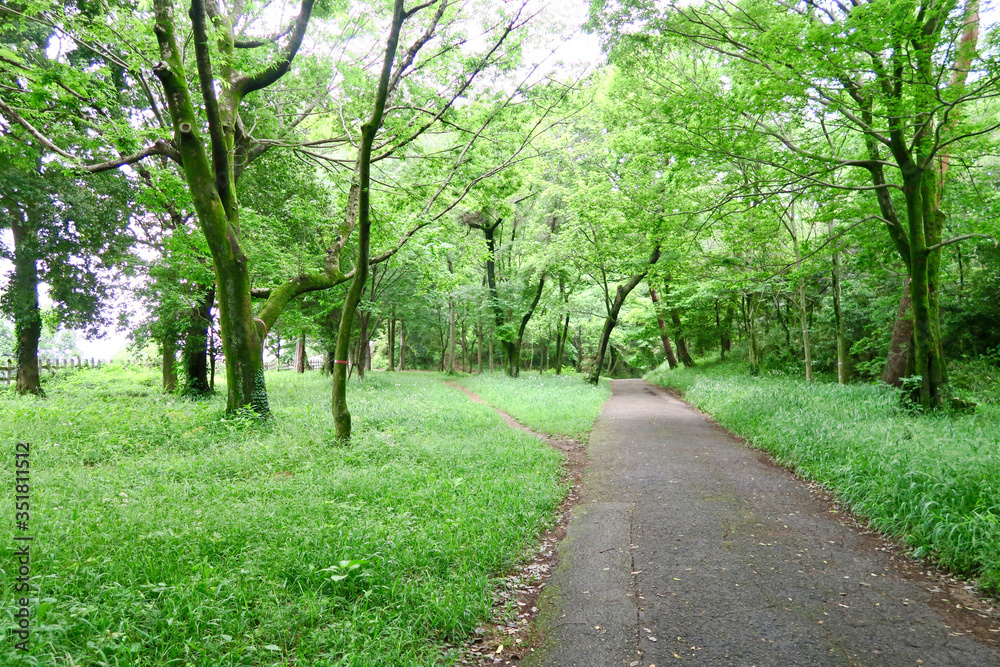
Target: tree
871 79
68 234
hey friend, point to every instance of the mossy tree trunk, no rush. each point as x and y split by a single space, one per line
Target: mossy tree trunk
23 301
359 203
211 168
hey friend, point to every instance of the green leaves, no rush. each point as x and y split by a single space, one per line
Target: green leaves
345 569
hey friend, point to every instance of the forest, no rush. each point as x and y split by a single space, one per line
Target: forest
760 190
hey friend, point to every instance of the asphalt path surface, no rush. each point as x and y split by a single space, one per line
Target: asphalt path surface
688 547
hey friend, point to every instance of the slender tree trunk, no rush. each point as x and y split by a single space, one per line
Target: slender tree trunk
479 345
330 323
841 340
491 351
451 335
392 342
667 349
24 295
402 346
443 363
803 308
212 351
753 352
561 345
300 353
360 201
465 340
361 356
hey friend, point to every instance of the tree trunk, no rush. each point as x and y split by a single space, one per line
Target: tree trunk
360 201
212 184
300 353
465 340
613 309
667 349
682 349
451 336
803 312
561 345
361 356
479 344
402 346
515 352
443 362
196 343
841 341
753 352
726 336
897 364
211 358
392 342
168 367
24 295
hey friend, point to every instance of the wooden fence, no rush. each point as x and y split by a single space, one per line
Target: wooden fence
8 369
274 365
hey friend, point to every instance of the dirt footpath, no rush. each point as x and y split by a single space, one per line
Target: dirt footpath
688 547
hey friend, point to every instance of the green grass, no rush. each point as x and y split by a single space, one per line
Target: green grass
554 404
166 535
933 481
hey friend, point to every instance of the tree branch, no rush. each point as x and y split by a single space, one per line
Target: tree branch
248 84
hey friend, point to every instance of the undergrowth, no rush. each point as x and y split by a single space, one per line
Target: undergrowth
929 480
168 535
552 404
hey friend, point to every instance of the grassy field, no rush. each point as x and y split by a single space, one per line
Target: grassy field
553 404
933 481
166 535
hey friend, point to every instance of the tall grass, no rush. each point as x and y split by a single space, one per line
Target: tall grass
933 481
167 535
553 404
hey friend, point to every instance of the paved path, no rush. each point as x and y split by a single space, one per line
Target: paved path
690 548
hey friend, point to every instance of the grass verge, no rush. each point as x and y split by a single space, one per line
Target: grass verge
166 535
930 480
554 404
